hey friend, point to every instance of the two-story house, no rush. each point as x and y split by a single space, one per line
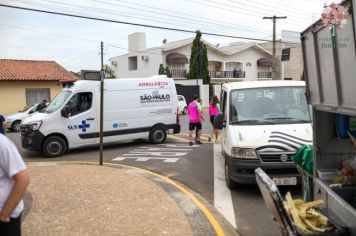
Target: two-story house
238 61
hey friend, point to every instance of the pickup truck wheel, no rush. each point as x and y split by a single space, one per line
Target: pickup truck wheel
229 182
16 126
157 135
54 146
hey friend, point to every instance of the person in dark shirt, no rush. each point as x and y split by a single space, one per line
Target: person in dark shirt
42 105
2 124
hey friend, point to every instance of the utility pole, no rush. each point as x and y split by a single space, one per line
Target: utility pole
274 18
102 76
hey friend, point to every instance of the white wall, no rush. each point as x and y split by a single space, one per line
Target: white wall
248 55
217 90
144 68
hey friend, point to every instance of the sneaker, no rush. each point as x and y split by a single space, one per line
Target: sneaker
191 143
209 139
198 142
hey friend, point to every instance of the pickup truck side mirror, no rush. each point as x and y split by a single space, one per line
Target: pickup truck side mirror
219 121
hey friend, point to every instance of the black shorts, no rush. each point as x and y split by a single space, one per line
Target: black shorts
212 117
193 125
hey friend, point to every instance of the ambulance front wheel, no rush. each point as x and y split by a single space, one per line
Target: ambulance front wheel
54 146
157 135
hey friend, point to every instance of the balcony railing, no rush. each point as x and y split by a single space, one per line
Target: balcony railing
264 74
179 73
227 74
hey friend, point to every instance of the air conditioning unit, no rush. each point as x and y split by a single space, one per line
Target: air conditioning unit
145 58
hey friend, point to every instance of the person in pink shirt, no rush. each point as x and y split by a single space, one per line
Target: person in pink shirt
214 109
195 118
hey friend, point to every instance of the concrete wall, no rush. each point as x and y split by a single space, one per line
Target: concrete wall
294 67
287 69
137 42
13 93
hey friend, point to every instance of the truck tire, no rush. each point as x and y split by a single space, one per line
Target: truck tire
231 184
16 126
157 135
54 146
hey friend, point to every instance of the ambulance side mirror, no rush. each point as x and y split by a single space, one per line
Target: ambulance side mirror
65 111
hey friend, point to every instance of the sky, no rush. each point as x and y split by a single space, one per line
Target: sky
75 43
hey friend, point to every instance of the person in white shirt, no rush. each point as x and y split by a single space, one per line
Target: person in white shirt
14 180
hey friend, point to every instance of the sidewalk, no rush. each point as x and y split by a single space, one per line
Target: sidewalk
88 199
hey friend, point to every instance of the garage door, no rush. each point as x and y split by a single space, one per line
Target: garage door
34 96
188 91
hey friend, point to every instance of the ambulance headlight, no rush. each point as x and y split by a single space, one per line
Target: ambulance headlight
243 153
36 125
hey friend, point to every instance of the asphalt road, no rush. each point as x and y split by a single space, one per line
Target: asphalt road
192 166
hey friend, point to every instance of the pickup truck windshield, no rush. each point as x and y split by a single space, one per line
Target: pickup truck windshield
277 105
58 101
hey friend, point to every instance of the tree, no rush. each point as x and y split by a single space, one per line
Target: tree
198 66
109 72
164 71
161 70
168 72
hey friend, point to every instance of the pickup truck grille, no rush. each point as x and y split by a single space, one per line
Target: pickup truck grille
274 157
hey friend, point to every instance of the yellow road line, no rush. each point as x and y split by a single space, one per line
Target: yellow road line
202 207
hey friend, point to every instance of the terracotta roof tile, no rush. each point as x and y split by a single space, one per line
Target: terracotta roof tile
33 70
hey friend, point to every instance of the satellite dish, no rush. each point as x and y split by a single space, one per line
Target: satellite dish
164 41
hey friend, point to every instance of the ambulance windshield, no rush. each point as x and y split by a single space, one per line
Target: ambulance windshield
58 101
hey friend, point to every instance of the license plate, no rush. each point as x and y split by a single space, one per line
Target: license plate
285 181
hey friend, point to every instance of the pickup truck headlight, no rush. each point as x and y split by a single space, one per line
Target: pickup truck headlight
244 153
36 125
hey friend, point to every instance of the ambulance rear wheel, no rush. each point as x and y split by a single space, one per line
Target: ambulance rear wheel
54 146
157 135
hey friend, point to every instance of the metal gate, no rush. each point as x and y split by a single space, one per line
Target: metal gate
188 91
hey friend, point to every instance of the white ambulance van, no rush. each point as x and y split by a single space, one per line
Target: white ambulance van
133 109
263 123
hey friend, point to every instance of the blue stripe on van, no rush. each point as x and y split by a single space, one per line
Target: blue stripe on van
127 131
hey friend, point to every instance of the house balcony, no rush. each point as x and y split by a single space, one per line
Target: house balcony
262 75
227 74
179 73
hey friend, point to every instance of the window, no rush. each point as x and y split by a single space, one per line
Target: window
248 64
269 105
133 63
58 101
79 103
34 96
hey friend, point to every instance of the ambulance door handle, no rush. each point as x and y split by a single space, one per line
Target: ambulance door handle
91 118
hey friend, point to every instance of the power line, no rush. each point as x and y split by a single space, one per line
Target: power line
259 4
190 17
238 7
145 17
129 23
242 10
